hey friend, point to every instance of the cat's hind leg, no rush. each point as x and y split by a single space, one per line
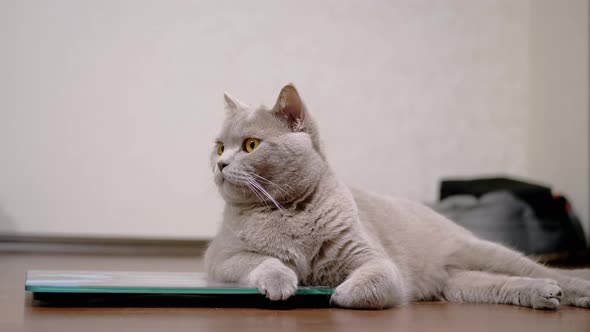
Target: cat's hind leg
487 256
577 291
484 287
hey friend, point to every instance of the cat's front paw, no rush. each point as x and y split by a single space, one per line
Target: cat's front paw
355 295
375 285
544 294
274 279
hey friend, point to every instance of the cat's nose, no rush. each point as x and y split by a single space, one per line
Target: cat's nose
221 165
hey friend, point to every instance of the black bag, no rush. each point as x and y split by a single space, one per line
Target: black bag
554 213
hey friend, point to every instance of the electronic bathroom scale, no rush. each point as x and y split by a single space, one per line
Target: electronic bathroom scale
156 289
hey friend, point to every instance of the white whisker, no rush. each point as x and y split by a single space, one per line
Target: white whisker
257 189
257 193
265 193
272 183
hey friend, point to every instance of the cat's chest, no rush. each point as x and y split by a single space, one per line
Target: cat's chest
289 238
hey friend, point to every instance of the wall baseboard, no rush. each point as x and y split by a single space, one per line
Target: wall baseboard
102 246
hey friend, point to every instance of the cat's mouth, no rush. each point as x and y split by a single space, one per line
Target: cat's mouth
230 182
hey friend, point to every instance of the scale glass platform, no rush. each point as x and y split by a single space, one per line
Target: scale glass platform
132 288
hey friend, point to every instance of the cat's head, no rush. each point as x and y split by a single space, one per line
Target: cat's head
264 154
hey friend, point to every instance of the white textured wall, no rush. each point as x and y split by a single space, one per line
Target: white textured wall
558 136
108 108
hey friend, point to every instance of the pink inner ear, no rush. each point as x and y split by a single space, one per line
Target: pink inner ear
293 112
290 107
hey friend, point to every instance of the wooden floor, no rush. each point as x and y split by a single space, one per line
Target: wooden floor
18 314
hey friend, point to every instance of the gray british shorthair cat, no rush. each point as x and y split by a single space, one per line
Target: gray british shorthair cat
289 221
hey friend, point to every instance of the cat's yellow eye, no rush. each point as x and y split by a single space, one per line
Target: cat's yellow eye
250 144
220 148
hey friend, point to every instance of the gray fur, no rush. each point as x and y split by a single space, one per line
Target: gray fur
289 221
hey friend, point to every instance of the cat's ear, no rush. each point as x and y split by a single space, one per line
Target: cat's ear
290 108
232 104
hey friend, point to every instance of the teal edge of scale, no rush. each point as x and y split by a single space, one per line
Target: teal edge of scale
143 290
